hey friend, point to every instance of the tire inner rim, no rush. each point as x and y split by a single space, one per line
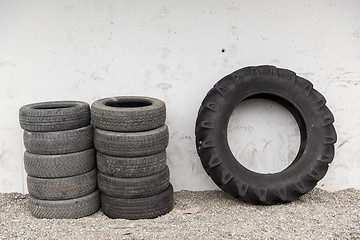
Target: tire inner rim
128 103
257 157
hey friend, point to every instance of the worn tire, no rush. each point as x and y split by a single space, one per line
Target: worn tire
307 106
131 167
62 188
134 187
128 114
57 166
135 144
61 142
71 208
54 116
139 208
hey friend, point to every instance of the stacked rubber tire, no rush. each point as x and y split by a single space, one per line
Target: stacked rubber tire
60 159
130 139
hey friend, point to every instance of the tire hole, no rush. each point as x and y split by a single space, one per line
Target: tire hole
128 103
263 136
54 106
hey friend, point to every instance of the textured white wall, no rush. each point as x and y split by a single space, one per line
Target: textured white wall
172 50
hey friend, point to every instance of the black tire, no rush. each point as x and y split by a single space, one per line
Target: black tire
134 187
131 144
131 167
128 114
62 142
54 116
62 188
57 166
307 106
140 208
71 208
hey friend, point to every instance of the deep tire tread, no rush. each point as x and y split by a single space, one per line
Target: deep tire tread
218 168
56 166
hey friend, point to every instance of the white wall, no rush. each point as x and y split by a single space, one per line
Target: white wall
172 50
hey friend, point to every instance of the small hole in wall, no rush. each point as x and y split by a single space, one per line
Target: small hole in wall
222 50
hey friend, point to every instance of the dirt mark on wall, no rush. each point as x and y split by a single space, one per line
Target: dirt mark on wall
164 86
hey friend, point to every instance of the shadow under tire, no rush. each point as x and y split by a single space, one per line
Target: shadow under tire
54 116
71 208
139 208
297 95
128 114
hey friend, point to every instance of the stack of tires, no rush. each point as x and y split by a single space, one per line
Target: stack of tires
60 159
130 139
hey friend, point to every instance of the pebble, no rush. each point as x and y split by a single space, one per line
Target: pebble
199 215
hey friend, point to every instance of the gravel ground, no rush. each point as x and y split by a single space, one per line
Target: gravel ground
200 215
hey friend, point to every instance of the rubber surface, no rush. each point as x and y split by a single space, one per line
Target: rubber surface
128 114
131 167
72 208
135 144
307 106
134 187
61 142
56 166
140 208
62 188
54 116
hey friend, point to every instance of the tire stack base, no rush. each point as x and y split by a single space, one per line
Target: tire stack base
60 159
130 139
